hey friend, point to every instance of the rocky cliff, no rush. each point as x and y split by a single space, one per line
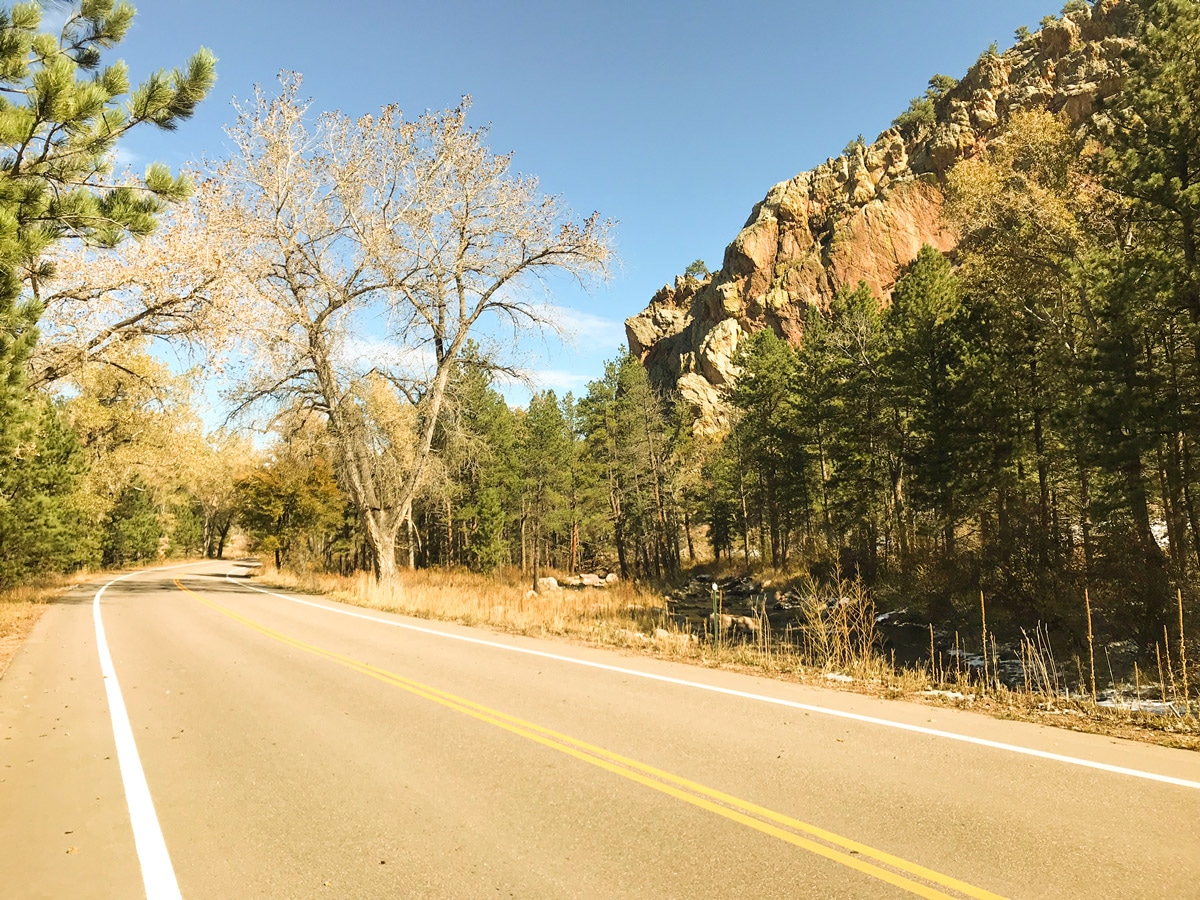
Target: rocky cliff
865 214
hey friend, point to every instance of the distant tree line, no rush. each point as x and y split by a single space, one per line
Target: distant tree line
598 482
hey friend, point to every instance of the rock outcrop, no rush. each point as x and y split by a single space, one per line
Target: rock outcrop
866 214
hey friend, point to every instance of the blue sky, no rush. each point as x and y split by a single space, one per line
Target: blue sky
673 118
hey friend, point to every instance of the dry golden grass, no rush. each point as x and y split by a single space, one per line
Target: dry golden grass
501 601
21 607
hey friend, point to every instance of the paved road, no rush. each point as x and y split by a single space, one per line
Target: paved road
294 751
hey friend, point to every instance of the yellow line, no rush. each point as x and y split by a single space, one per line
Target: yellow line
691 792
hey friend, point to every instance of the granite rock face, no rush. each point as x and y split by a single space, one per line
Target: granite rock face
865 214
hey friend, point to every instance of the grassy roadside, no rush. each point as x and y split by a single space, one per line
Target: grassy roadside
21 608
504 602
632 618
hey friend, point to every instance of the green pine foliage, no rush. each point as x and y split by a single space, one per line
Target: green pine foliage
61 115
44 525
635 436
545 470
922 110
62 112
132 530
489 479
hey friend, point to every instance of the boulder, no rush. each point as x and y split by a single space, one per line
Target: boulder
735 627
676 641
545 585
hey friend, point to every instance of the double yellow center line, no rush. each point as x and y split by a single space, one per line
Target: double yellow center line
893 870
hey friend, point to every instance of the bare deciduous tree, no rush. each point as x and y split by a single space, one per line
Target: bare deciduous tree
410 231
101 301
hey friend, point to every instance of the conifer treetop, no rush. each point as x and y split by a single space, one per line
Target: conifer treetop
62 112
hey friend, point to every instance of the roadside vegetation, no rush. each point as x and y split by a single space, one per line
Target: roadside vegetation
500 600
22 606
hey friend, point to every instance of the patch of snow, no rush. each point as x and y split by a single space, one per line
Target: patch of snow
1153 707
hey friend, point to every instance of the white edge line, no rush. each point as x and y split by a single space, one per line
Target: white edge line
158 876
745 695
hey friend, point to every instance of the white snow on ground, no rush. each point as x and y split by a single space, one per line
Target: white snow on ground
952 695
1154 707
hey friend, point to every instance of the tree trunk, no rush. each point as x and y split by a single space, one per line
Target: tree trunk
1186 466
745 520
1085 518
897 479
221 537
1139 508
381 537
825 514
1039 440
537 549
614 502
524 538
209 536
687 531
1172 489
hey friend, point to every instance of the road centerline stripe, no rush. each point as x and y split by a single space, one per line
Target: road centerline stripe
748 695
158 875
742 812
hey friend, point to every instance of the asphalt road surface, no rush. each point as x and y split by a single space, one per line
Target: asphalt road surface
213 740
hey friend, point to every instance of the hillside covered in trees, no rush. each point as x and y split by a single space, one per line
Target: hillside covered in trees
1011 406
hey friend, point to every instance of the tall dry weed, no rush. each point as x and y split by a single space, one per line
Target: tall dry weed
839 625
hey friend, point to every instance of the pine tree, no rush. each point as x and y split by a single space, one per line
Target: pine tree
132 530
1153 142
545 453
924 358
764 436
859 447
632 443
60 119
485 465
44 522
